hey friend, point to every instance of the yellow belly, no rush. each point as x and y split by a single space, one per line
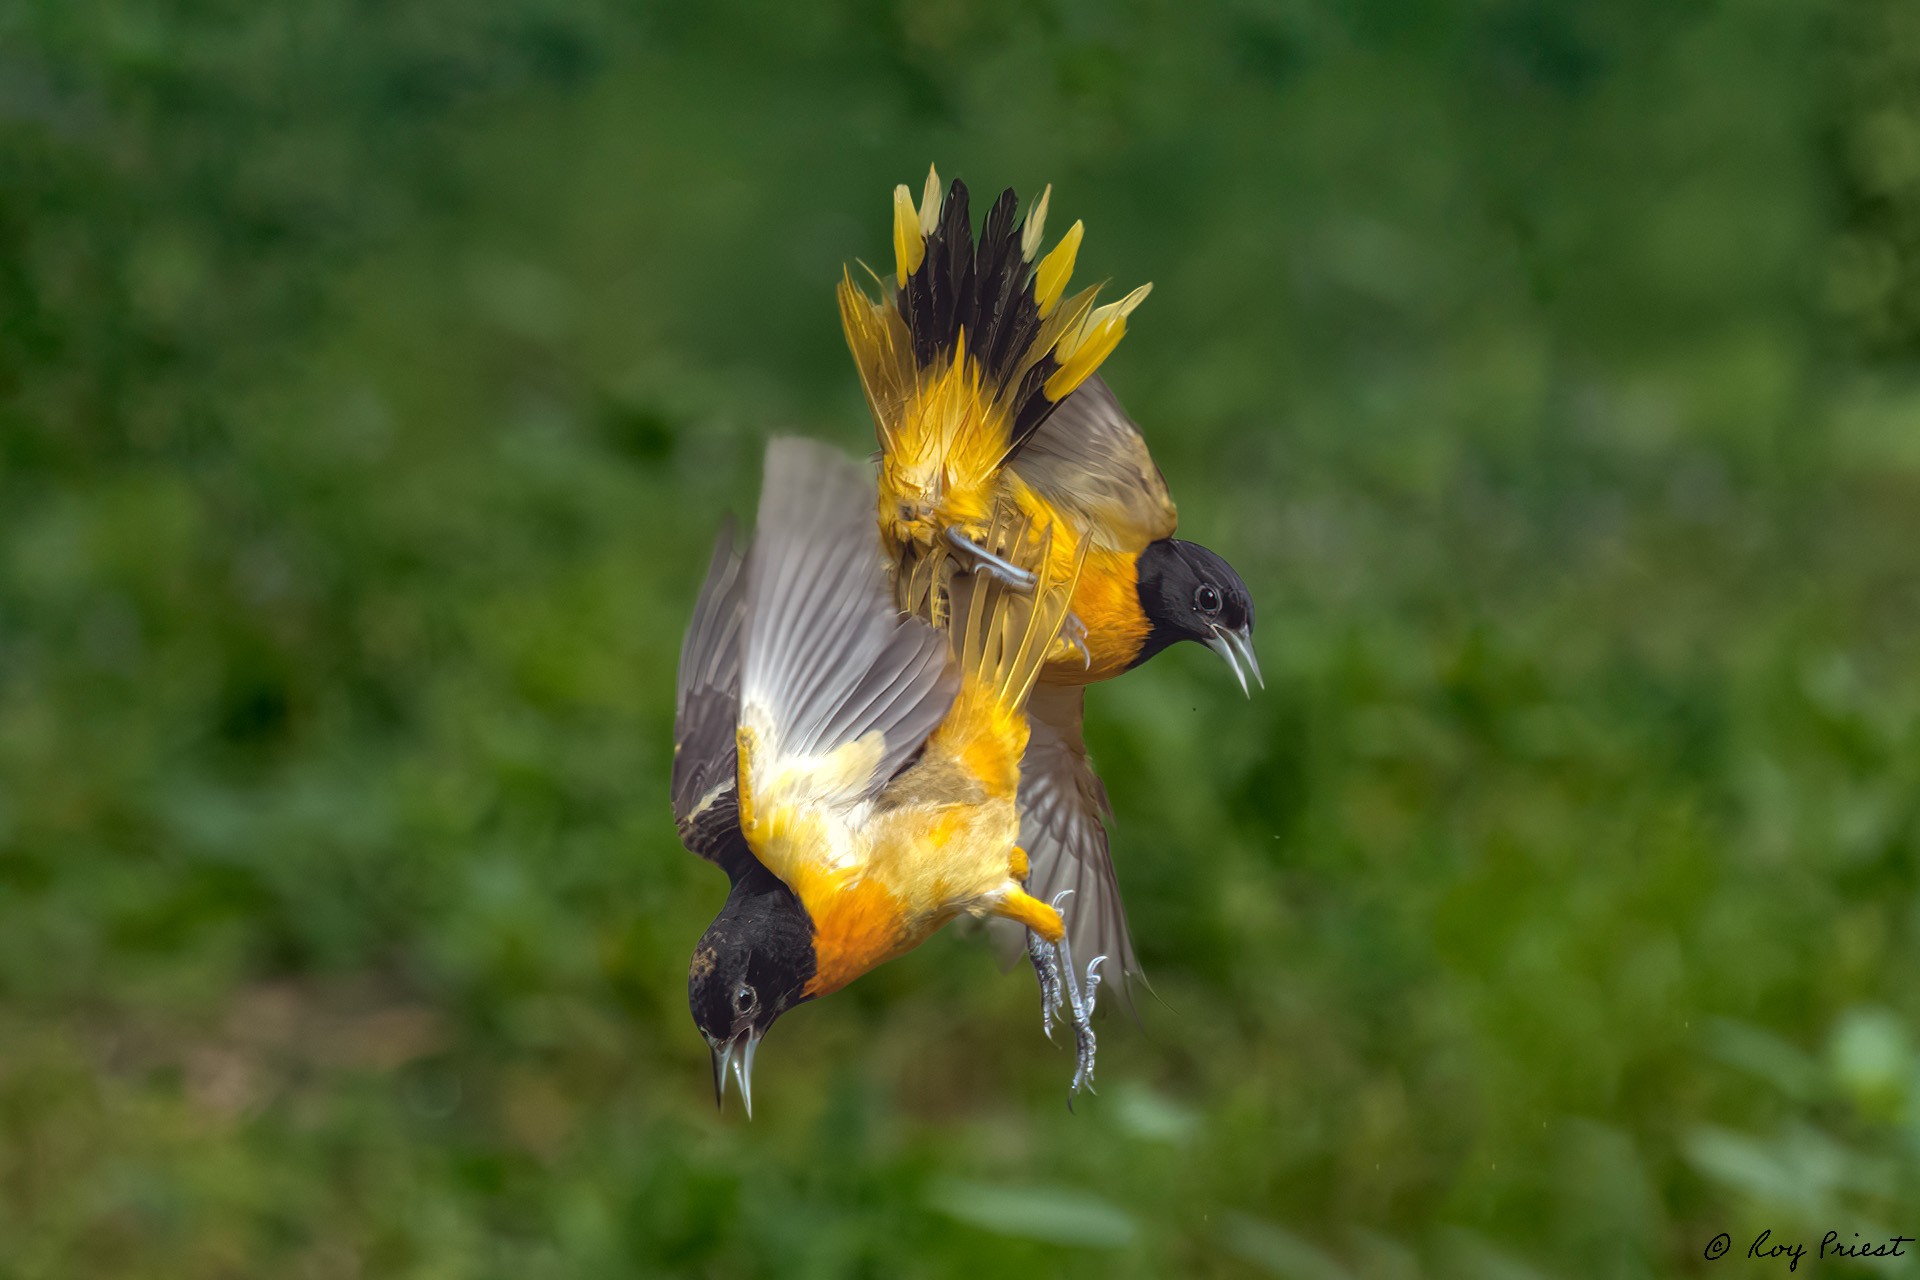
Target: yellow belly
924 865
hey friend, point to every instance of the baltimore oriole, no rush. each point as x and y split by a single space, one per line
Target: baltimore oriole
981 376
852 768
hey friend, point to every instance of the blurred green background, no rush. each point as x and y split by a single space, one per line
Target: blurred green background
372 380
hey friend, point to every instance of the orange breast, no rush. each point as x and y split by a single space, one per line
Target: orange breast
857 927
1107 602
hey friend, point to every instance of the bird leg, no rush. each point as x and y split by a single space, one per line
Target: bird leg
1047 969
1052 957
984 561
1080 1003
1039 951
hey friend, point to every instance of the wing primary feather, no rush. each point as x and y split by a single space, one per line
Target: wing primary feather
827 659
1063 827
1089 460
706 708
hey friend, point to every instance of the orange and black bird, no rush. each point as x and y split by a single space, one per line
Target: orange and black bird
980 372
854 769
756 958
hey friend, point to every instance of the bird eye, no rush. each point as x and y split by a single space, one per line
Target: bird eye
744 999
1206 599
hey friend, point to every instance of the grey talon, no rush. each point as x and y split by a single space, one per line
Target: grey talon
1047 972
1074 632
1080 998
1061 984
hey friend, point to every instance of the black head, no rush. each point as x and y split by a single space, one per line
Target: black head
752 965
1189 593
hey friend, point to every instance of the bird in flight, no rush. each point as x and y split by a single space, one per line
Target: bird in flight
982 377
879 721
854 769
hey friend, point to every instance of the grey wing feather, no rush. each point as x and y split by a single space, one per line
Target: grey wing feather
827 658
1090 459
706 709
1063 817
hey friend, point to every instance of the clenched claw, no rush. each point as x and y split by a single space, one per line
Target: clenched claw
986 562
1074 632
1083 1033
1061 984
1047 970
1080 1001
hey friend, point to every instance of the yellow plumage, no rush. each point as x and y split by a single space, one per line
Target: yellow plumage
954 380
878 877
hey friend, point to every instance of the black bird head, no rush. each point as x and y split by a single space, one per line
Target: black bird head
1189 593
752 965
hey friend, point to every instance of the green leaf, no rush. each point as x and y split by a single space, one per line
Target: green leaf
1053 1215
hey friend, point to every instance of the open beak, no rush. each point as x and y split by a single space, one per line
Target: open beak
738 1054
1237 648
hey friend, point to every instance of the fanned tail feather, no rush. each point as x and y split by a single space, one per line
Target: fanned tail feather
968 349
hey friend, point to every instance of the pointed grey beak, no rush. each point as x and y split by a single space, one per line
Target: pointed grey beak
722 1053
737 1053
1237 648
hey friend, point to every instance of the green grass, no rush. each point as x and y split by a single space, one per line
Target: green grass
372 383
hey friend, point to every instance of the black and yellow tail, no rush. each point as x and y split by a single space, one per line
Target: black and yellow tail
968 349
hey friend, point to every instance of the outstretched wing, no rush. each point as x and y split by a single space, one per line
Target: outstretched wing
706 802
838 690
1089 459
1063 813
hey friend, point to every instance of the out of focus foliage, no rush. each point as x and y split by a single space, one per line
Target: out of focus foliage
372 380
1874 138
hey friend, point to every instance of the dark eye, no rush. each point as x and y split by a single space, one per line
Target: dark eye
744 999
1206 599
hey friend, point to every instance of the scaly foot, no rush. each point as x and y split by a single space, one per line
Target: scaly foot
1080 1003
1047 969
